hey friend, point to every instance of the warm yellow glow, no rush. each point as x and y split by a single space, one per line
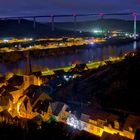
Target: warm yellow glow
15 40
91 65
51 43
20 101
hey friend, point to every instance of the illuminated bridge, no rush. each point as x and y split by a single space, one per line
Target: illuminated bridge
75 18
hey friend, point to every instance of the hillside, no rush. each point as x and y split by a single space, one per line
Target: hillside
104 24
111 87
11 28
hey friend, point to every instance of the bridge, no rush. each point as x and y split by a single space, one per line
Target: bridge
75 17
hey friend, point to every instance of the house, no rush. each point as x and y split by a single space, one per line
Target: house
45 79
5 99
131 124
30 103
2 81
15 81
13 90
44 109
7 88
114 121
41 106
31 80
15 87
98 121
60 110
73 121
79 68
92 125
47 89
100 118
35 95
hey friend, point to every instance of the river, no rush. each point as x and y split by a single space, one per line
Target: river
83 55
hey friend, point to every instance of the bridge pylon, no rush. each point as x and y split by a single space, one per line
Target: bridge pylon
135 25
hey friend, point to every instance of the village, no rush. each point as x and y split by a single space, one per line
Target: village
32 95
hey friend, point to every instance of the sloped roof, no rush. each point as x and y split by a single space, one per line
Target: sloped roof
41 106
96 114
84 117
10 88
7 88
34 92
15 80
56 107
47 89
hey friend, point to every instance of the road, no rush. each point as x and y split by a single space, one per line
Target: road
90 65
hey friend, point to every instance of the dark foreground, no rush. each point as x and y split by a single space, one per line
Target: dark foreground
50 131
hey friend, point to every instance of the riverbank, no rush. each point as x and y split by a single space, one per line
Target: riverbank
61 57
16 54
90 65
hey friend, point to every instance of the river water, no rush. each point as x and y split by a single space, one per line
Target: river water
84 55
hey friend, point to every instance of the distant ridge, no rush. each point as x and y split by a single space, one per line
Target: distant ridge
11 28
106 24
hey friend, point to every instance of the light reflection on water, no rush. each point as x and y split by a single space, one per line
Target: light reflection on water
85 55
135 45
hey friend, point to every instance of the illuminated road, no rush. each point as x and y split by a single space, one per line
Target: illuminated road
90 65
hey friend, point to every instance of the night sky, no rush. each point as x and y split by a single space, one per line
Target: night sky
45 7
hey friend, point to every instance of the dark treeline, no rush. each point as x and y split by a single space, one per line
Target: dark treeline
114 87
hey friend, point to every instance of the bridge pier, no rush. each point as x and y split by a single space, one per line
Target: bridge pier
52 22
75 21
19 21
34 24
102 15
135 25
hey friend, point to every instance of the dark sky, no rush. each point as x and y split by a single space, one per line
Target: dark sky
44 7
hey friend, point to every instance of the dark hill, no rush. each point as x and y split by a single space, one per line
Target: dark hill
113 87
11 28
105 24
